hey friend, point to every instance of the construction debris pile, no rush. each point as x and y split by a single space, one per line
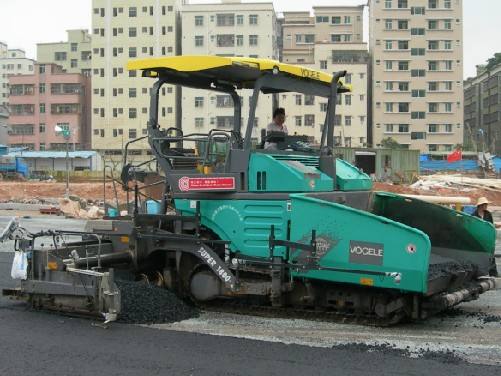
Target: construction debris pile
449 185
147 304
75 207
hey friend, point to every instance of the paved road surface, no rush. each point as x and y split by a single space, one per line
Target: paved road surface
47 344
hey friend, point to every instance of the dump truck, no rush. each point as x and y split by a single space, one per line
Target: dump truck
292 228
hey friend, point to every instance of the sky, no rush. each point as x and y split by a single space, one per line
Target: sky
24 23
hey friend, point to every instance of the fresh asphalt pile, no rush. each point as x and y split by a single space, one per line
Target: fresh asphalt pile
444 269
146 304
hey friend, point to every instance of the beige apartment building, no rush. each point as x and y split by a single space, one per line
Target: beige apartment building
74 55
331 40
125 30
417 65
12 62
227 28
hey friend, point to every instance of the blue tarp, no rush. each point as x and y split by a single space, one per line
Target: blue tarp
464 165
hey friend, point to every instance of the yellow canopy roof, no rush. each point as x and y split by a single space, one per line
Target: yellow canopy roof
242 71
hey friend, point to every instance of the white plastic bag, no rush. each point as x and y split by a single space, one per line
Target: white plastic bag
19 266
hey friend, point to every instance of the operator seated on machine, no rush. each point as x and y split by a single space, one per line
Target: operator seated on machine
276 126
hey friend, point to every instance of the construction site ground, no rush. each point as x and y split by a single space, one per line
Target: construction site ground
464 341
35 190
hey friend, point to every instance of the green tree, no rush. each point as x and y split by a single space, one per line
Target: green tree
493 61
390 143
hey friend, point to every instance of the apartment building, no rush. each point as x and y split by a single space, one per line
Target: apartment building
40 101
12 62
227 28
330 40
482 110
417 68
74 55
124 30
301 30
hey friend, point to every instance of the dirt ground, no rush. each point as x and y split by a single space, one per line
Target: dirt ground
94 191
44 190
492 195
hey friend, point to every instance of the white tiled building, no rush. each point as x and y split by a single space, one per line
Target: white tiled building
229 28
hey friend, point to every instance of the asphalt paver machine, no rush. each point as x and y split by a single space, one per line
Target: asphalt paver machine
295 227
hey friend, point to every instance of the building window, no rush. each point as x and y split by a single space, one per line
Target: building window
432 128
347 78
403 107
388 24
403 25
387 4
41 69
132 32
323 107
388 45
298 121
448 128
432 4
433 66
418 135
433 107
415 11
253 19
418 115
240 40
417 52
132 133
199 102
41 108
252 40
417 31
225 40
41 128
335 38
402 4
418 93
336 20
132 92
240 19
403 128
74 47
418 73
322 19
448 85
323 64
309 120
132 12
448 65
403 65
388 65
225 19
347 100
60 56
199 40
403 45
448 107
347 121
432 25
388 107
132 52
199 20
298 99
74 63
447 4
199 122
41 88
433 45
132 113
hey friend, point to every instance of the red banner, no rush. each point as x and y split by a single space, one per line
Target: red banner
207 184
455 156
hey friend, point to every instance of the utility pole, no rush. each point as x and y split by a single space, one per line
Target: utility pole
66 133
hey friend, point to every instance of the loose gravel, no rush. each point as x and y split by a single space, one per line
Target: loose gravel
386 348
146 304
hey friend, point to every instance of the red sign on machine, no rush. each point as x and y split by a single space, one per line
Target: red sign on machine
206 184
